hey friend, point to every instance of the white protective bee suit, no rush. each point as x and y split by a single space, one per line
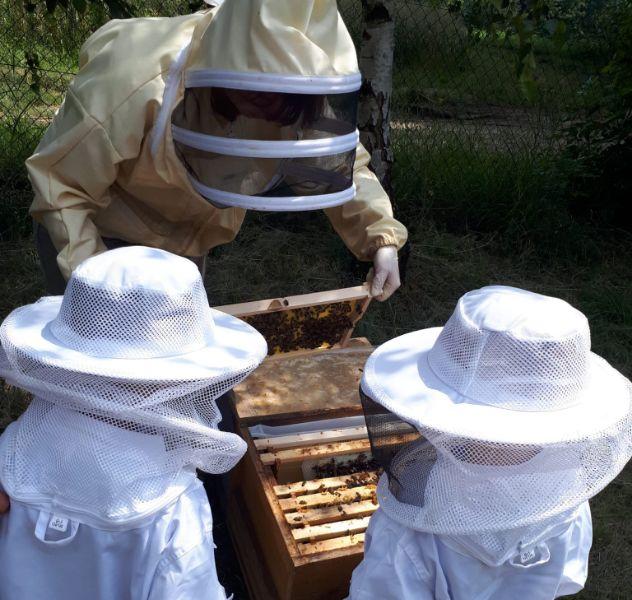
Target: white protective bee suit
125 370
494 432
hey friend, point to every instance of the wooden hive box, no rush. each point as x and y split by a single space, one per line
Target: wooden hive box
297 520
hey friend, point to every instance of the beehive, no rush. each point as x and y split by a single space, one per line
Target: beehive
300 502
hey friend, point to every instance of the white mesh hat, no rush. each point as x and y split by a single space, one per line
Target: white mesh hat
516 420
132 313
128 363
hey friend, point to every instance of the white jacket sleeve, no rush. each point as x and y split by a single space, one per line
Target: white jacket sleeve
366 223
71 171
189 576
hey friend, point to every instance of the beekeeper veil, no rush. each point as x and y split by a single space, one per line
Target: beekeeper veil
268 118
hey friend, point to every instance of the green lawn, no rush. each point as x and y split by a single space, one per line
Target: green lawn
276 256
481 199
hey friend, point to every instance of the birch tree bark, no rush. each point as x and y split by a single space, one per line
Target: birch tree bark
376 64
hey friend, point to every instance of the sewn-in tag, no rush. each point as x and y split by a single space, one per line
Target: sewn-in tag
525 557
58 523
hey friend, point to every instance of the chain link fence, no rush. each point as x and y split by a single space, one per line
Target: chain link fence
456 96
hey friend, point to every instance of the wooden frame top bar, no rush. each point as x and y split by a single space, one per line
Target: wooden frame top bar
257 307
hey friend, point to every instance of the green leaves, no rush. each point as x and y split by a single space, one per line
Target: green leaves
118 9
80 5
518 23
33 69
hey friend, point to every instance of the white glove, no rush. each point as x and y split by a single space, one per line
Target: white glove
384 276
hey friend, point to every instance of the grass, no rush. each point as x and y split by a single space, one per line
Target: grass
277 255
481 200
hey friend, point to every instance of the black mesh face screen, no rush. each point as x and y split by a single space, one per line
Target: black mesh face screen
316 115
404 454
387 432
271 177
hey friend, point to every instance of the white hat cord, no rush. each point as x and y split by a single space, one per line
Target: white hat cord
132 348
520 421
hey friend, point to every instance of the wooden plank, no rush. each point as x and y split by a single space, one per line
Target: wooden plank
329 514
326 575
333 498
246 309
333 544
277 549
303 439
315 413
316 533
249 552
300 488
346 338
293 455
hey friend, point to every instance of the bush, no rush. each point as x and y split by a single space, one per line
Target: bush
512 200
598 145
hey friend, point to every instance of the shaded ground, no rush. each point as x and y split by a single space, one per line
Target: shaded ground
275 256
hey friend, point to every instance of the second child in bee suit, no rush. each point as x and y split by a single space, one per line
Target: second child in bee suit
494 431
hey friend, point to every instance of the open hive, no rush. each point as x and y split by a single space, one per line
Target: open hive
302 497
330 508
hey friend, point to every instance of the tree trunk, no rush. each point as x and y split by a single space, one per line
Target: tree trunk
376 64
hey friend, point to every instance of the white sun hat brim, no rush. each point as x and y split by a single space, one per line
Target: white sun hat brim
233 347
398 376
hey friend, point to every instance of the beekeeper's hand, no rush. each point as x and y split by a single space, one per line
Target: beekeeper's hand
384 276
4 503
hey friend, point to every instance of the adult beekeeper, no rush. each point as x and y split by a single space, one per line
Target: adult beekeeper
173 127
125 370
507 425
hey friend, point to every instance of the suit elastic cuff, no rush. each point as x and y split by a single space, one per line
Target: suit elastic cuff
379 242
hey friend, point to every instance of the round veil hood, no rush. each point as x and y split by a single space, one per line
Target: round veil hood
276 45
501 419
268 119
125 368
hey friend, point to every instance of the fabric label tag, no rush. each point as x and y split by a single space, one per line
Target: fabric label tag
58 523
527 556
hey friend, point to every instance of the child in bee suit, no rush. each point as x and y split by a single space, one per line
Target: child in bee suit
124 370
494 432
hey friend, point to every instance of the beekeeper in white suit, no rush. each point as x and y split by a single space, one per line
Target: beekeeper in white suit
173 127
125 370
516 424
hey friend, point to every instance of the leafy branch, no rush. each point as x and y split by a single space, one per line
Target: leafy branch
518 20
119 9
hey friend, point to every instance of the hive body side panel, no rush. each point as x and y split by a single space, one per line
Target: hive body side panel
267 533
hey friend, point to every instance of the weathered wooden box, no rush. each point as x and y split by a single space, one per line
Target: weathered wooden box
300 501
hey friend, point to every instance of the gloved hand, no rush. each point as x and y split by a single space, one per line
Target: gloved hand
384 276
4 503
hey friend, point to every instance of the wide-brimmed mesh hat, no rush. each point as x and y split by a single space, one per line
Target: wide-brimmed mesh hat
501 419
132 346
